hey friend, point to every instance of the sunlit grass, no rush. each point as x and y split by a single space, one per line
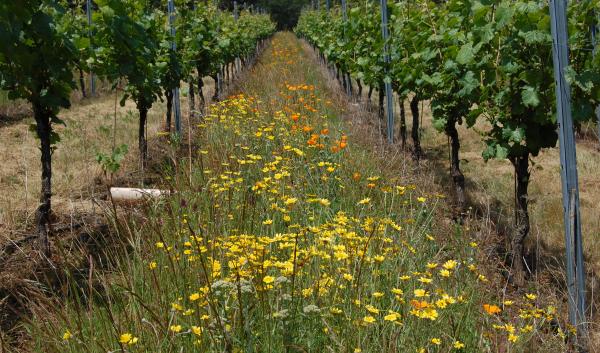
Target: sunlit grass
277 243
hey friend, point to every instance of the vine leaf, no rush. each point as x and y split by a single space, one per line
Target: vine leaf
530 97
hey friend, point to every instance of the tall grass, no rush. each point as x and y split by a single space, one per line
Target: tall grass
277 242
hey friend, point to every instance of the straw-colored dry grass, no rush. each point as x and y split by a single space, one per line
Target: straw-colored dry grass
90 129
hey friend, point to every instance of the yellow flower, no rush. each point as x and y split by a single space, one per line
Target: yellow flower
513 338
420 293
153 265
436 341
377 294
268 279
194 296
421 199
175 328
372 309
128 338
444 273
425 280
368 319
397 291
160 245
458 345
392 316
290 201
335 311
67 335
530 296
197 330
357 350
450 264
267 222
364 201
348 277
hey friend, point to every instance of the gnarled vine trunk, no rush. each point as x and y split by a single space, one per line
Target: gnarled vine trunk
216 95
402 123
458 178
521 165
142 143
360 89
169 94
414 109
42 215
350 88
192 98
381 108
82 83
201 93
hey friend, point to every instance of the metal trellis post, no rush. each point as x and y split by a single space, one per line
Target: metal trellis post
88 9
387 82
568 160
345 10
594 31
176 105
328 5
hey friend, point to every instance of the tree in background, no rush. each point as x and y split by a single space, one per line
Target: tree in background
284 12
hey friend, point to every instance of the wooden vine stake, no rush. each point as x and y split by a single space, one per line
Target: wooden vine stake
568 161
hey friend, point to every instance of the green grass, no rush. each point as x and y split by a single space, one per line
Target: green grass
276 244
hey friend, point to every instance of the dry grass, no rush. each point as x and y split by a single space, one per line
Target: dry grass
90 129
491 185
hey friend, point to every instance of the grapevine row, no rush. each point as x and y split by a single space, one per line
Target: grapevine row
129 45
472 60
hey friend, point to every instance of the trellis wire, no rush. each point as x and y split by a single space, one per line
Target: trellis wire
176 105
568 160
387 83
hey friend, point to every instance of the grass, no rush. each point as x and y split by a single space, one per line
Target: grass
490 187
77 178
291 235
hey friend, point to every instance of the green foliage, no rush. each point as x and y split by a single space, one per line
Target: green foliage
127 39
112 163
37 54
471 59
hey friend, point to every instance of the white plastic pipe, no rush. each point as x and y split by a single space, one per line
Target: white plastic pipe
128 195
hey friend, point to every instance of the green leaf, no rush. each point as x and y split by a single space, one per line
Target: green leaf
530 97
466 54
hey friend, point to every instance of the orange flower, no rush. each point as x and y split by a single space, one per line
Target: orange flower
343 144
491 309
306 128
295 117
419 304
324 131
356 176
